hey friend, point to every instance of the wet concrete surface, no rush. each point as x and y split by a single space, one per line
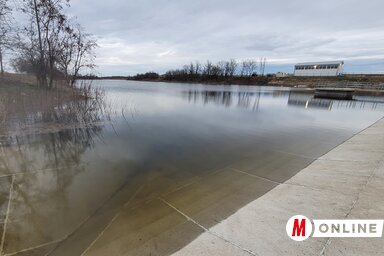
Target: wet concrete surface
5 183
329 188
153 228
43 215
122 189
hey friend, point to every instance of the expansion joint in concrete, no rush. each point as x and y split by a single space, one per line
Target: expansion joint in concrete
207 229
354 202
7 216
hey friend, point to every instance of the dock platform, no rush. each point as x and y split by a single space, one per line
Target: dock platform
334 93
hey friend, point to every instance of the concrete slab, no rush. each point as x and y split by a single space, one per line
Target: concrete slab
366 138
38 251
260 226
5 183
339 177
151 229
355 247
158 229
376 129
276 166
42 212
30 222
78 241
1 238
205 209
360 146
379 172
209 245
347 182
370 205
218 196
359 168
349 152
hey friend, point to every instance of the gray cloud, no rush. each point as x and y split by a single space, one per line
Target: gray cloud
136 36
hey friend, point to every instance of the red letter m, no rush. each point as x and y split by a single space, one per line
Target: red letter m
298 229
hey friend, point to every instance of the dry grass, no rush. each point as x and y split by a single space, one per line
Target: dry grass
12 79
26 109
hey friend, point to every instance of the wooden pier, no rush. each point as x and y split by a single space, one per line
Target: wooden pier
334 93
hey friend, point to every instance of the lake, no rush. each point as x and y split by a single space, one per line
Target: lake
166 152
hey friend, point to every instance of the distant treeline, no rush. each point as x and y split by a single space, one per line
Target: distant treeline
213 71
149 76
222 71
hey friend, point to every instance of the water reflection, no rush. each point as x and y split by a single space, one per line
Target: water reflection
43 139
359 102
72 184
307 101
60 128
251 100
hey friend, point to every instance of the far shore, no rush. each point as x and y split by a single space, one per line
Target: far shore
370 85
289 81
362 84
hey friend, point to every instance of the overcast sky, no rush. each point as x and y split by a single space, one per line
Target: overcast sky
156 35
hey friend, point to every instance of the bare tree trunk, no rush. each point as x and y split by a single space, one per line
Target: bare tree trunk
1 62
42 75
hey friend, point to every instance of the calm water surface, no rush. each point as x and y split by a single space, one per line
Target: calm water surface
206 151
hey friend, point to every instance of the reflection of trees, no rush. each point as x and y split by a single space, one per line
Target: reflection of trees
50 132
251 100
44 138
248 100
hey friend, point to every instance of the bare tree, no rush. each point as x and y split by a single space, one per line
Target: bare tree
33 31
191 69
221 68
231 67
248 67
208 68
54 47
76 53
5 31
28 58
198 69
215 71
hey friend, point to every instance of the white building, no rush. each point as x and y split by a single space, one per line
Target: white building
330 68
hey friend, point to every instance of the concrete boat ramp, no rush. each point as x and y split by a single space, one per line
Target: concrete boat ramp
345 183
234 210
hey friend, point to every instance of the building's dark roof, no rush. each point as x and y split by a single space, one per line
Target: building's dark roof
321 63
